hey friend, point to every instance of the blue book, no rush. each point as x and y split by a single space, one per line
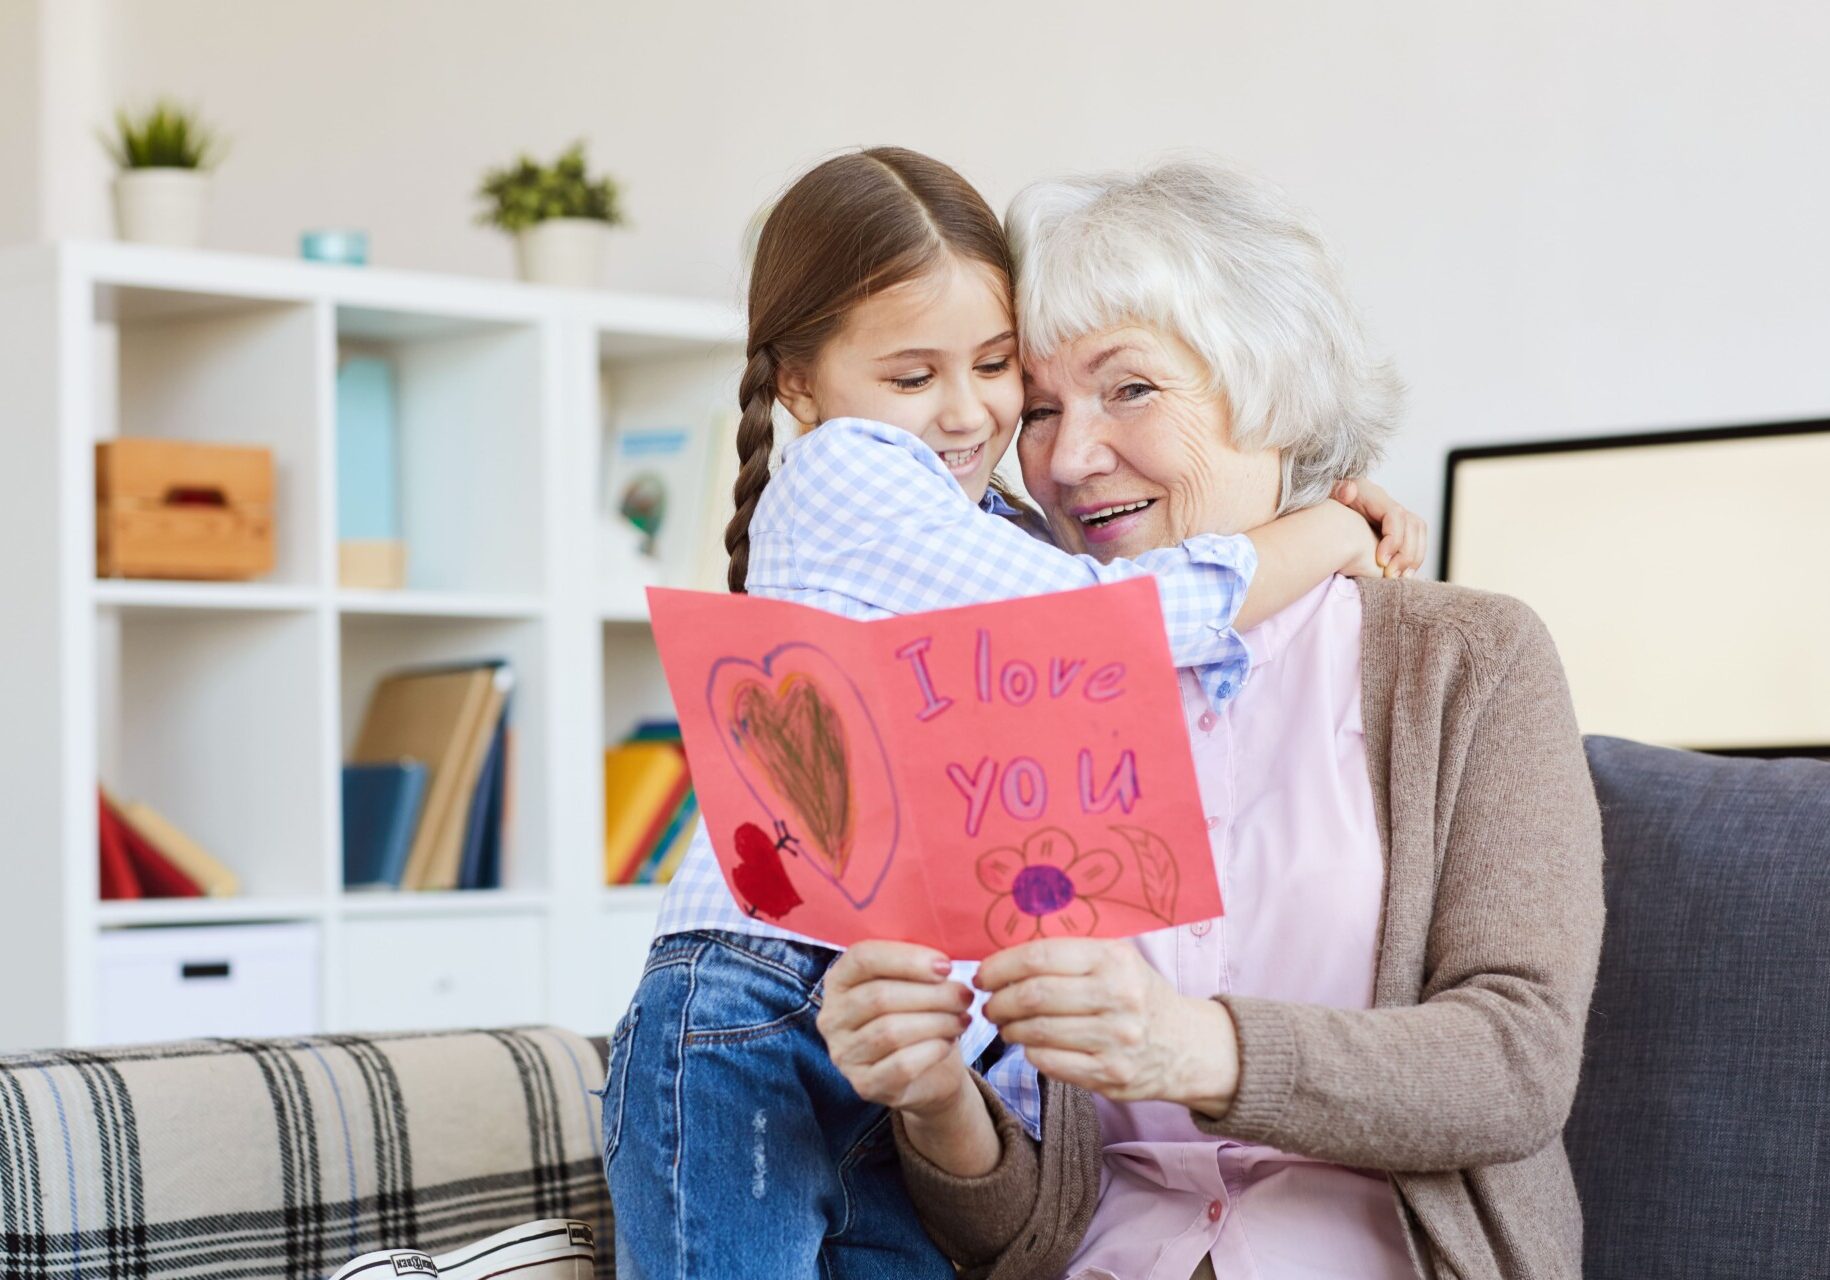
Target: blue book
381 804
489 873
656 731
481 864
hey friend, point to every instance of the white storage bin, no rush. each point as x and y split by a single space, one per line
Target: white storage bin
419 975
255 980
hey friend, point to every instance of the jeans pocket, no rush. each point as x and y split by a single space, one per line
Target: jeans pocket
744 994
616 1080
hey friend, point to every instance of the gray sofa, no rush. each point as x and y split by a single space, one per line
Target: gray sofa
1700 1136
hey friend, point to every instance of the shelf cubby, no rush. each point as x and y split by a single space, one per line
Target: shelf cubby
192 721
372 646
225 370
690 397
471 436
634 685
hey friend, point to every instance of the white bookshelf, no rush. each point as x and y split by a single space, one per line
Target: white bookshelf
229 706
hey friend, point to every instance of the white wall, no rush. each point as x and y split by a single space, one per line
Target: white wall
19 115
75 102
1561 217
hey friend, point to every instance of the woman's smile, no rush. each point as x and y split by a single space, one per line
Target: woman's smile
1109 521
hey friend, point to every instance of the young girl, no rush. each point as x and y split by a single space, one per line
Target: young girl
880 319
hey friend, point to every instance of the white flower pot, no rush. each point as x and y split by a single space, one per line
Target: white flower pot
562 251
161 206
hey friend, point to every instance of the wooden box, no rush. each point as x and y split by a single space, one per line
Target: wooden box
175 509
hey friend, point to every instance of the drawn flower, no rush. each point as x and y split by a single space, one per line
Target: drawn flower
1044 888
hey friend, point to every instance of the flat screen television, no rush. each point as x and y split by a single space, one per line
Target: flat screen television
1685 575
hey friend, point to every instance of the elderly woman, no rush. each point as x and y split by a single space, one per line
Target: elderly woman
1364 1067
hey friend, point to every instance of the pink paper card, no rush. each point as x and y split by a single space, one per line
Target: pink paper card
970 778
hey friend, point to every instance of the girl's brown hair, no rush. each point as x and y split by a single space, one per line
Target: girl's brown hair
851 227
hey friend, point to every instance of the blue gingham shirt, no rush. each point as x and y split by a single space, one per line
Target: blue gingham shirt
862 519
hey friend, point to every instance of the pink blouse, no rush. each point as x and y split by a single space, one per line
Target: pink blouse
1283 775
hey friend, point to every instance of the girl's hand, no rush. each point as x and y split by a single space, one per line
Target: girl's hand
891 1020
1403 536
1091 1012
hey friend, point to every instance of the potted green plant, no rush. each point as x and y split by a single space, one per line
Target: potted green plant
164 155
559 215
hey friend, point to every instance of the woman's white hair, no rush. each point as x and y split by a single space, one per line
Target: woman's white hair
1226 263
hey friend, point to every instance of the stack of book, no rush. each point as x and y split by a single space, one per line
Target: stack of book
145 856
426 793
649 808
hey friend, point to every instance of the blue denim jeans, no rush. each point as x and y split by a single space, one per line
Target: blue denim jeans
732 1145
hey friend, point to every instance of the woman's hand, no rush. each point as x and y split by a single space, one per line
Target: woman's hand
1092 1013
1403 535
891 1020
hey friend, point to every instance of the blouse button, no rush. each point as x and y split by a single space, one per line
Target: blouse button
1207 721
1200 928
1212 822
1213 1211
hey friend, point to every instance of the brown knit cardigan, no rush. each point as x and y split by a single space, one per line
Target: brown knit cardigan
1458 1080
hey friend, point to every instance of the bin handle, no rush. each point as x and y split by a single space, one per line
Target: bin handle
193 495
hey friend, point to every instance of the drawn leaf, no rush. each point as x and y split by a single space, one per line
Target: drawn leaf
1157 872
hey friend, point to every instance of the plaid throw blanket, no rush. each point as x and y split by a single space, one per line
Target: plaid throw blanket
283 1159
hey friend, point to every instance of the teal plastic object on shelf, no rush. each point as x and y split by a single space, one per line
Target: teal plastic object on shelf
368 450
351 248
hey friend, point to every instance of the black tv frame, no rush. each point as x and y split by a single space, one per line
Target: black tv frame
1586 444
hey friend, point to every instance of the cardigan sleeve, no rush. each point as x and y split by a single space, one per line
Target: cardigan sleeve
1483 1070
1024 1219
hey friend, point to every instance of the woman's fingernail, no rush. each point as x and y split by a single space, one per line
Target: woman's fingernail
965 1020
941 967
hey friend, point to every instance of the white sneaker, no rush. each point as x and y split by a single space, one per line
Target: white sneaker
385 1264
550 1249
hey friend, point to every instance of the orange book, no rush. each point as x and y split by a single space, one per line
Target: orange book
642 783
664 820
444 866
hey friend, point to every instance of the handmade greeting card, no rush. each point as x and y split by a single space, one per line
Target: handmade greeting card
970 778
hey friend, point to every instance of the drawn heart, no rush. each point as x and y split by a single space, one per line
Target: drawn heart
759 877
799 735
793 732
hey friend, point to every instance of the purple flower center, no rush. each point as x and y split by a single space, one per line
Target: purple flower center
1042 890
